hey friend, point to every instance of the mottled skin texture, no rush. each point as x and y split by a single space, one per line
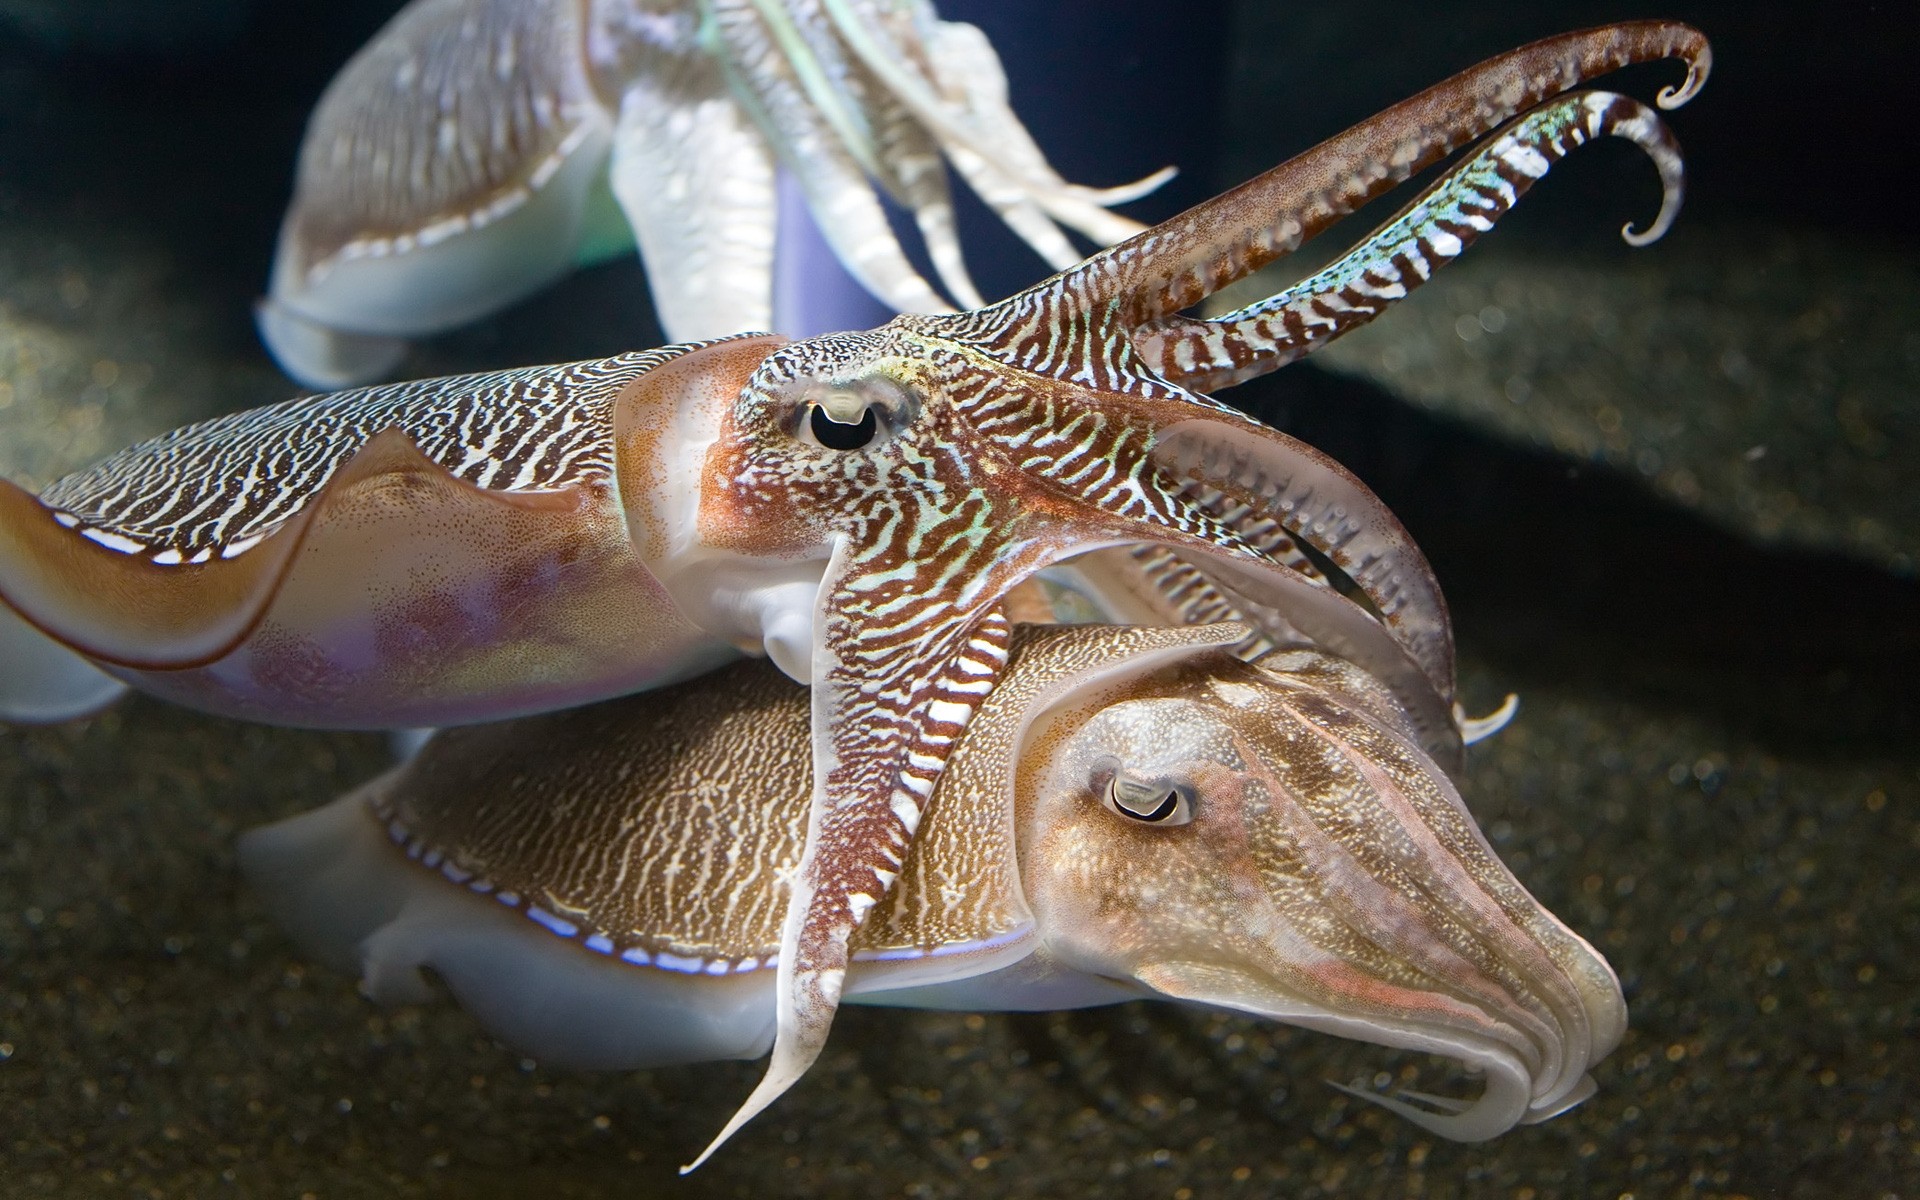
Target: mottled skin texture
865 501
1296 854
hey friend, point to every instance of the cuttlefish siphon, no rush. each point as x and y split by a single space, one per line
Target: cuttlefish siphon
856 506
1135 812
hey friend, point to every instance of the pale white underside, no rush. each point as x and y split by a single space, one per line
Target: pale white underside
42 681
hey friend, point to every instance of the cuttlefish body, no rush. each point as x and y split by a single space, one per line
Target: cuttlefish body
1135 812
856 506
477 149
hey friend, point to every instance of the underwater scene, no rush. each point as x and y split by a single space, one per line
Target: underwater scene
608 598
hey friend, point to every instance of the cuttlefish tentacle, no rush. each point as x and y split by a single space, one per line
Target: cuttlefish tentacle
1405 252
875 742
1181 262
959 64
1083 327
694 177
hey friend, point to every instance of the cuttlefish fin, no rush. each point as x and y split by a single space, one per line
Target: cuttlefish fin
43 681
320 356
414 212
887 711
1183 261
103 594
118 601
1405 252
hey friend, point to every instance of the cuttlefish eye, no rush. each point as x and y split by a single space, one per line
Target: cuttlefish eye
835 434
852 416
1148 801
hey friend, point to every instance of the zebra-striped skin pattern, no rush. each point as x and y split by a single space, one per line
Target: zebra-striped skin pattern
219 487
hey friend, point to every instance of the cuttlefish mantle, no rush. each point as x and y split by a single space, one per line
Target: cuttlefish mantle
1134 813
476 150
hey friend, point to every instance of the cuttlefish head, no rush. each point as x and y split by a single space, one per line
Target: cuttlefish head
936 463
1267 839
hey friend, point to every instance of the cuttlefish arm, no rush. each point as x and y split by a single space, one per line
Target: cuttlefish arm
1181 262
1133 812
946 459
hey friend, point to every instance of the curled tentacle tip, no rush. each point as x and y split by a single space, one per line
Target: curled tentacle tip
1503 1105
1653 233
1474 729
1698 68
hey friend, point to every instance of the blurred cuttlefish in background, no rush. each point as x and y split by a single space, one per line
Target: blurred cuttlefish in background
1135 812
476 150
856 506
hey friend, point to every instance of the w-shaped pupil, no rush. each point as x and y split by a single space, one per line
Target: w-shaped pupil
1158 812
842 435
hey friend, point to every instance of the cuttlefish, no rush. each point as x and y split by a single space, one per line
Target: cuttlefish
1135 812
855 506
475 150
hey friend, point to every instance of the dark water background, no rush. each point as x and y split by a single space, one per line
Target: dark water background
1673 494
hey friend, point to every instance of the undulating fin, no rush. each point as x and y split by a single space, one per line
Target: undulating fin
343 884
42 681
1449 216
477 560
320 356
105 595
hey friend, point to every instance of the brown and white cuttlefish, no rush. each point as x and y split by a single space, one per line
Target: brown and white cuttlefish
1135 812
